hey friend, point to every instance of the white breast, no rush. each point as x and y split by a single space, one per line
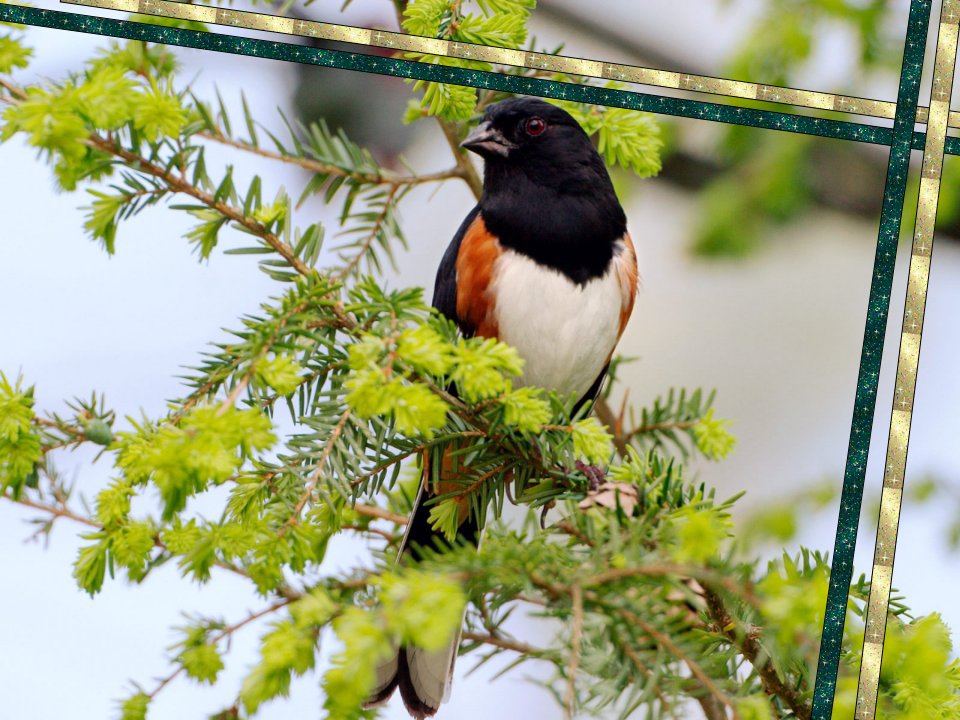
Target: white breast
565 332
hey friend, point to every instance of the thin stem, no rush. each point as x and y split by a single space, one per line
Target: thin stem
315 476
322 168
181 185
375 512
388 536
668 644
56 511
570 697
504 644
17 92
466 169
749 646
384 465
284 591
642 668
712 709
481 480
742 591
606 415
361 252
223 634
675 425
231 399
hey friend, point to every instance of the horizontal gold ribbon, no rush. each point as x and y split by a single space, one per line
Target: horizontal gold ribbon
517 58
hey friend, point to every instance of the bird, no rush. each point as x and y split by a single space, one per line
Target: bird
544 263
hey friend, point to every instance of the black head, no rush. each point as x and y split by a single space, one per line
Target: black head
546 190
517 127
541 139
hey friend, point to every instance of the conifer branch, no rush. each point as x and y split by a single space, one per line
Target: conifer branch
576 637
670 646
747 642
321 168
224 634
466 171
181 185
380 513
504 644
318 471
364 247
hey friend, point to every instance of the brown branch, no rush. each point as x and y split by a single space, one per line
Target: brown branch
322 168
744 592
606 415
375 512
666 642
504 643
570 697
315 476
712 709
62 510
46 422
466 169
181 185
388 536
17 92
371 236
475 485
749 646
231 399
384 465
642 668
224 633
676 425
73 436
570 529
56 511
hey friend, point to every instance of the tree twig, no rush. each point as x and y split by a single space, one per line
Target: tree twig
570 697
606 415
375 512
749 645
315 476
181 185
283 590
226 632
642 668
674 425
361 252
504 643
321 168
666 642
467 171
56 511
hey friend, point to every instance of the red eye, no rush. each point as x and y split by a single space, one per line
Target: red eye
535 126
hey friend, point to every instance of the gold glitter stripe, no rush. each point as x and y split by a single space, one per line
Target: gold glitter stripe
908 361
518 58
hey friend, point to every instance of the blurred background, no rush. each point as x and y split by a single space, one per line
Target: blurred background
756 252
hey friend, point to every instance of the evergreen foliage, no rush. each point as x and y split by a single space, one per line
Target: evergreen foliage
659 611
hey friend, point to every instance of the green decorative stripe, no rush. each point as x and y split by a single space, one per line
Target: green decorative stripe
879 305
255 47
901 138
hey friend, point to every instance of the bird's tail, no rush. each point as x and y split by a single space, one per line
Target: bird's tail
424 678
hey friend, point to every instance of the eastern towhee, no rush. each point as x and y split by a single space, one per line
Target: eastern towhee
544 263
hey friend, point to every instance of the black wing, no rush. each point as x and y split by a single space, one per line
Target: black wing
590 396
445 288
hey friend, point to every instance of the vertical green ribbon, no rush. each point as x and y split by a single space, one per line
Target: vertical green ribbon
878 309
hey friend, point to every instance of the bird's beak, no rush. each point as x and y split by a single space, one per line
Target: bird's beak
485 139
